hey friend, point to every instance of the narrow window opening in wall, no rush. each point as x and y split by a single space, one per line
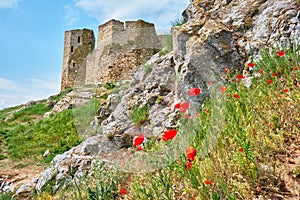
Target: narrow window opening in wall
73 64
72 49
78 39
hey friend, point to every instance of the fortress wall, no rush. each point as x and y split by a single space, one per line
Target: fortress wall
125 65
116 38
121 47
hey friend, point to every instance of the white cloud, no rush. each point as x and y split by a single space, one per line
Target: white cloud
32 89
8 3
42 84
71 15
6 84
2 102
160 12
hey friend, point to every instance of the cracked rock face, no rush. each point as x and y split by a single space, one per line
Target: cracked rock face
258 23
218 34
146 88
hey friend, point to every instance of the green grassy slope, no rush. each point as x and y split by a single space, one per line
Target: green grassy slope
261 123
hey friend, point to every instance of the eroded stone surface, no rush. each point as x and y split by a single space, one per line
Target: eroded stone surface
217 35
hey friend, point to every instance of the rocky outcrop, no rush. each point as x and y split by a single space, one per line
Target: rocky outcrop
77 97
218 34
76 162
146 88
254 23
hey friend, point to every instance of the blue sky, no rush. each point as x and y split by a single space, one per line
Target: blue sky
32 31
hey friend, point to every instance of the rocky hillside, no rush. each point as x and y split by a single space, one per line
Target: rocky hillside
229 89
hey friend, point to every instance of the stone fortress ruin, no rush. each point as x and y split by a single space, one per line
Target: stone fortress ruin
121 48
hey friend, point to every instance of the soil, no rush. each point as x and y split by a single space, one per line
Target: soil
284 182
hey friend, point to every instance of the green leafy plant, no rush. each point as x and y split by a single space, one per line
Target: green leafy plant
139 114
178 21
159 99
109 85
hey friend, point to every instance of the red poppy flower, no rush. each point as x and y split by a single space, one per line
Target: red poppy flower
296 68
223 89
241 149
207 111
236 96
123 191
184 106
274 74
177 106
188 165
187 116
235 80
280 54
129 179
190 153
194 92
139 148
207 182
197 114
169 135
240 76
261 71
251 64
285 90
226 69
138 140
269 82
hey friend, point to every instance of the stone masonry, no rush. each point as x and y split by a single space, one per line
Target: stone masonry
77 45
121 48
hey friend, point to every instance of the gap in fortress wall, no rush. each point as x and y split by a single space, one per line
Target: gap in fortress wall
121 48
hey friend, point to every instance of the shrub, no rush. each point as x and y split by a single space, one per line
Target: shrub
109 85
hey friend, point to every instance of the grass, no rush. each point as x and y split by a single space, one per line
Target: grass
259 123
26 113
178 21
56 133
242 165
56 98
168 46
139 114
5 112
7 196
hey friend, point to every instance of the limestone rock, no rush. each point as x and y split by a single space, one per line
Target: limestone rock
109 105
145 89
46 153
255 23
76 162
24 190
218 34
63 104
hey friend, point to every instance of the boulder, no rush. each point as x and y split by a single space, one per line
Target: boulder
77 161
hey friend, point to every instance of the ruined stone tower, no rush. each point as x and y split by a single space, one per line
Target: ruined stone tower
121 48
77 45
